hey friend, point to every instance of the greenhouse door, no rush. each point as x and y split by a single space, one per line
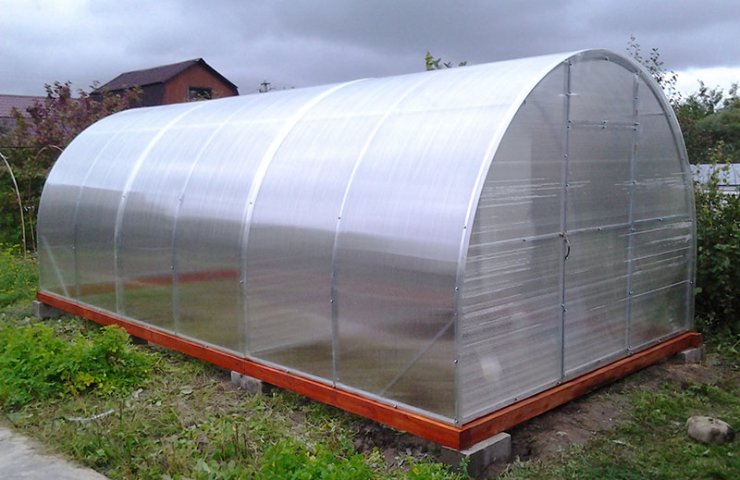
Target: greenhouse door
597 215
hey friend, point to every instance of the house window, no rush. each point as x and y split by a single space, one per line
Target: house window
199 93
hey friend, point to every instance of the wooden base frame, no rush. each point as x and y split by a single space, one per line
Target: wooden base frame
452 436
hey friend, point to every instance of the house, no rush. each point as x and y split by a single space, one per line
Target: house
176 83
20 102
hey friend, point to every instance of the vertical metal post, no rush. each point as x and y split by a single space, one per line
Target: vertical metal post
631 210
564 213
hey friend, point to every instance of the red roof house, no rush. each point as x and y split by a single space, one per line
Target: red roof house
179 82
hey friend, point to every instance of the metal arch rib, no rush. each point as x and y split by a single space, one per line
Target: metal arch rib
120 307
256 185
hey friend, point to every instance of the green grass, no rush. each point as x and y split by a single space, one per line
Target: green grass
36 363
653 442
137 411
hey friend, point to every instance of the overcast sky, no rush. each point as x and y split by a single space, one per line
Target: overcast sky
309 42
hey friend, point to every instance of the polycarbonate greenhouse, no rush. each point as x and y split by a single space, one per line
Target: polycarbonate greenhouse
442 243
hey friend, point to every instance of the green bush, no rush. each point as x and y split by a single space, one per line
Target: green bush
37 364
18 276
718 256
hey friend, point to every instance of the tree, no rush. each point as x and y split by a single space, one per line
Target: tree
708 118
667 79
37 140
437 63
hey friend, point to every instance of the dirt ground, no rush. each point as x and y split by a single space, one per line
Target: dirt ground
573 423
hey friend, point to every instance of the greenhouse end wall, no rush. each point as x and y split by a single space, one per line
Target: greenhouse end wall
450 241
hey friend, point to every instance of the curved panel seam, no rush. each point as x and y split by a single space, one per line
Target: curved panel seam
120 307
256 185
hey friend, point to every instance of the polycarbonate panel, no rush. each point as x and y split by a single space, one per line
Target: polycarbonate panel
147 220
521 199
211 229
99 203
291 238
598 177
596 297
522 193
658 314
661 177
510 334
601 91
402 223
57 271
661 266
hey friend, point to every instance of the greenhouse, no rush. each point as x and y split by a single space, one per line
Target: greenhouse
435 246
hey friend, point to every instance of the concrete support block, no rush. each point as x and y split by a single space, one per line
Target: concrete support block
480 455
137 340
250 384
44 311
692 355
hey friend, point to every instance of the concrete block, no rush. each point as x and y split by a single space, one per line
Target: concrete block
44 311
250 384
138 341
692 355
480 455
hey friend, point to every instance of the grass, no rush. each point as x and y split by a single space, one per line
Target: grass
652 443
137 411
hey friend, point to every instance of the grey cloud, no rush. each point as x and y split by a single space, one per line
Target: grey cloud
301 42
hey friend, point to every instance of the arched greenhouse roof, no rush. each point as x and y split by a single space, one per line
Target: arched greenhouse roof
451 241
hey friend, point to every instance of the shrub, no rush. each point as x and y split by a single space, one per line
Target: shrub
718 255
37 364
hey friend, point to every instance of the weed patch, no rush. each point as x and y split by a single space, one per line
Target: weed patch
37 364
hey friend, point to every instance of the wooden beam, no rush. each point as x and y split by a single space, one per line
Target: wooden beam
455 437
